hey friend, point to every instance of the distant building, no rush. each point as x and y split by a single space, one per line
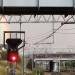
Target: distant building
51 62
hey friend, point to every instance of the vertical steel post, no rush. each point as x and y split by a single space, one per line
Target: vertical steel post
1 3
20 24
53 28
14 70
23 54
74 4
32 61
59 65
37 3
23 61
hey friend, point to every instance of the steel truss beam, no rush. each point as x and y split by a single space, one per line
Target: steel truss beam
20 19
36 18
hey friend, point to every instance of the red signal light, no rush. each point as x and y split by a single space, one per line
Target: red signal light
13 57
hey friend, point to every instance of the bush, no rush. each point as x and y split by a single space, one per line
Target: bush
29 64
38 71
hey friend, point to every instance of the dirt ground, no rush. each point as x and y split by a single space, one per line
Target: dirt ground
61 73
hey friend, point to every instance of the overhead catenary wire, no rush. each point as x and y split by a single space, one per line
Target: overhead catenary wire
54 31
47 33
50 34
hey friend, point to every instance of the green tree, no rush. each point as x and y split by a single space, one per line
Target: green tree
29 64
4 55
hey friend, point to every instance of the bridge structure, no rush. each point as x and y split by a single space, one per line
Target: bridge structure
40 11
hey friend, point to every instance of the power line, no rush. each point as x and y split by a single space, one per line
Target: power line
53 32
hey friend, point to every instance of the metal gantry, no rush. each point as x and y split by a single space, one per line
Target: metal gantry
37 18
21 19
